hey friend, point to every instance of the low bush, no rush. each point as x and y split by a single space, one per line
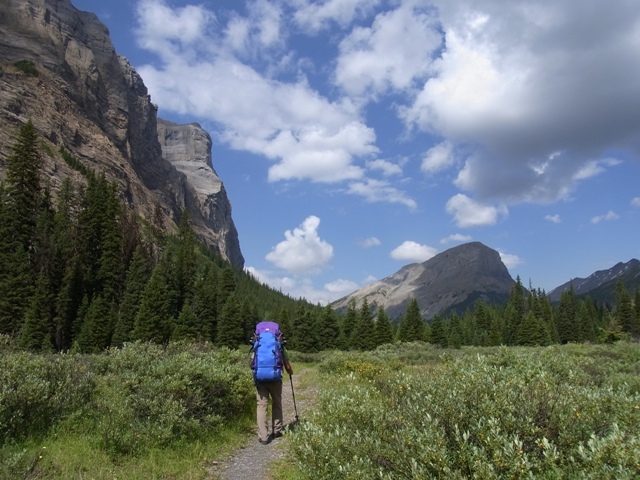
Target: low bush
132 399
557 412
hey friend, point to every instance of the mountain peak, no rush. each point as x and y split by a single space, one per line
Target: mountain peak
450 281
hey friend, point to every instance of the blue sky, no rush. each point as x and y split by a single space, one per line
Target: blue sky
357 136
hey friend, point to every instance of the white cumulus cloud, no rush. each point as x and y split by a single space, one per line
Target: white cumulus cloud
302 251
414 252
469 213
456 238
553 218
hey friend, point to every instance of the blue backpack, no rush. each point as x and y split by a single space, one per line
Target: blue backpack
267 352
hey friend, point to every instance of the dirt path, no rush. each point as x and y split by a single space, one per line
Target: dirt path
251 461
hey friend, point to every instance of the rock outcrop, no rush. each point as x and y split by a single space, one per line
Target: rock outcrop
451 281
90 100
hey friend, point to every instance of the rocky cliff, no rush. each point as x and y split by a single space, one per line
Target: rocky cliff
89 100
451 281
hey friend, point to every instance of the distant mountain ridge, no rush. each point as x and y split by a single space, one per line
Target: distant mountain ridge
451 281
600 285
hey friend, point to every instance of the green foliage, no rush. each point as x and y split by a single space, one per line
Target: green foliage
557 412
27 67
132 399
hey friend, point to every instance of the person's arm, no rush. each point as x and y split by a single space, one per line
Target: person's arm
285 361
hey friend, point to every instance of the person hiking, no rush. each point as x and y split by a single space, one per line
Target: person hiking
269 358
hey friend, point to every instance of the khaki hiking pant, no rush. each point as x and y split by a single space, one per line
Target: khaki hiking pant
263 391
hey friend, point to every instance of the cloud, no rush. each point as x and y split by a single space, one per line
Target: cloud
201 73
610 215
469 213
370 242
510 260
314 16
387 168
456 238
410 251
303 287
380 191
302 251
536 94
438 158
553 218
635 202
389 55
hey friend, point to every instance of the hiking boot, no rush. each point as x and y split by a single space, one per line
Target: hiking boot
265 442
276 435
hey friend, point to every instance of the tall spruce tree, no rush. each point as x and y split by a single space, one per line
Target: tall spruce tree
231 325
533 331
383 331
136 279
567 317
412 325
97 327
363 335
438 332
36 334
154 320
306 333
20 200
624 311
328 329
205 303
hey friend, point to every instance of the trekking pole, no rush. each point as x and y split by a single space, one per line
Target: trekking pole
294 398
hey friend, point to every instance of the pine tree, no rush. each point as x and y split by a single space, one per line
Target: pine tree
567 314
68 302
230 324
412 325
186 325
37 328
383 331
438 332
154 319
454 333
306 339
97 327
186 260
533 331
363 335
136 279
227 286
20 199
624 311
348 325
328 329
515 312
205 304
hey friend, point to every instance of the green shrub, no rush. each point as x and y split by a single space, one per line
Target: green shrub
559 412
27 67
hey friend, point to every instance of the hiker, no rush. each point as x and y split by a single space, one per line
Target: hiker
269 357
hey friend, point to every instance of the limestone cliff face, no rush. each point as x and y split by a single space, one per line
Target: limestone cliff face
188 149
90 100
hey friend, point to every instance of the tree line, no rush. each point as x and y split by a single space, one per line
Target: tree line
83 273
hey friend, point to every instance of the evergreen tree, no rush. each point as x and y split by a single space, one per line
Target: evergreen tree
438 332
412 325
37 327
454 333
383 331
286 326
533 331
363 335
205 304
186 260
110 270
68 302
154 319
97 327
186 325
495 333
348 325
624 312
306 333
231 332
515 312
328 329
567 314
136 279
227 286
